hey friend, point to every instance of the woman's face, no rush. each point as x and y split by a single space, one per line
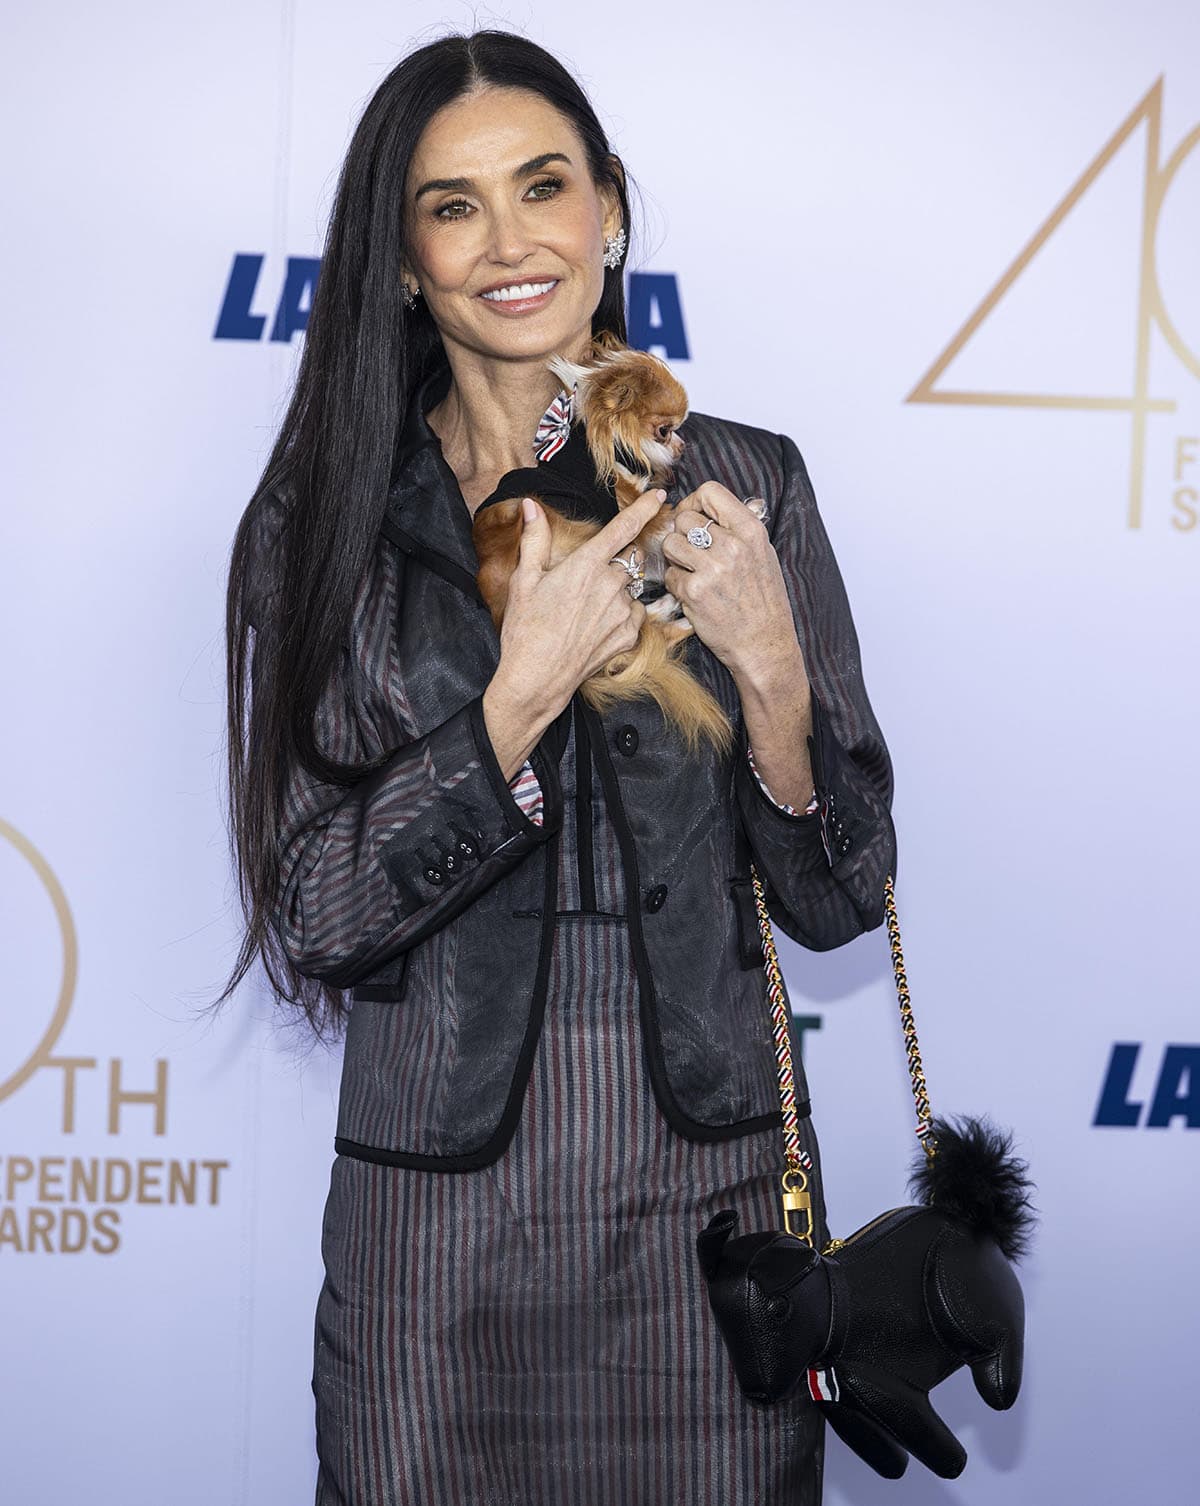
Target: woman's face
499 194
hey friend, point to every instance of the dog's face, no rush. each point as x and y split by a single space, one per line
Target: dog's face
662 429
634 405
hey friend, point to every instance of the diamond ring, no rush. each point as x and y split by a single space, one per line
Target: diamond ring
635 585
700 536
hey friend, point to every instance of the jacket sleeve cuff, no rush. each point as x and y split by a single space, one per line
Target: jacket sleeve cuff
515 811
812 805
791 843
785 843
404 851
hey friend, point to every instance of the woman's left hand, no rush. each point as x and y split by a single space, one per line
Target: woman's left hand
732 593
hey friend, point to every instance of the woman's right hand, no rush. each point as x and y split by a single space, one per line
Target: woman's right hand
562 623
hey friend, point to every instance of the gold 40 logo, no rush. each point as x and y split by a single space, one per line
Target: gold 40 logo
14 1073
1152 310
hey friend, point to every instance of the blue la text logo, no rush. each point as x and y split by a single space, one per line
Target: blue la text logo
1176 1093
653 314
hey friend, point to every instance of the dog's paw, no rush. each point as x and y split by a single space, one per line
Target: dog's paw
664 608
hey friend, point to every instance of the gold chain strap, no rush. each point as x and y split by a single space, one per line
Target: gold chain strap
796 1197
911 1049
797 1200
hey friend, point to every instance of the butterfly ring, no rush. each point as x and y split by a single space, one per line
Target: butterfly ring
636 583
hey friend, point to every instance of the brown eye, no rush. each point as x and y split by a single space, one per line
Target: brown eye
663 431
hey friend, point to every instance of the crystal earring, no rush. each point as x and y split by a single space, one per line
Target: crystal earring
614 248
408 296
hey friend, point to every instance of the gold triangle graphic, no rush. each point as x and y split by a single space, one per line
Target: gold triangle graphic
1149 108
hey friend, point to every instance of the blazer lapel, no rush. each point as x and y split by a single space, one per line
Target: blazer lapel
426 514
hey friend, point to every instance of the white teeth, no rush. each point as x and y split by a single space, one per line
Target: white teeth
520 290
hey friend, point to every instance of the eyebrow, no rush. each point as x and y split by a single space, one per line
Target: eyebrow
525 168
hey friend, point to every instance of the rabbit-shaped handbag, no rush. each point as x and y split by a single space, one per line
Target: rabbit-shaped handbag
871 1323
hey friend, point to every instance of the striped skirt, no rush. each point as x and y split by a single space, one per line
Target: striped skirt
537 1332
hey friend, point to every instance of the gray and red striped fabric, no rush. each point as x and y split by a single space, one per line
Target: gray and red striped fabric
537 1331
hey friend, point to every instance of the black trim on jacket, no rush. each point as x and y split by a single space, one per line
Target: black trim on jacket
681 1123
494 1147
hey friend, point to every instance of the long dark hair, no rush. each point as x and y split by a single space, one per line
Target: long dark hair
293 584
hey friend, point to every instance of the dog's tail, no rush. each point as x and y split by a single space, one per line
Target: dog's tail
651 669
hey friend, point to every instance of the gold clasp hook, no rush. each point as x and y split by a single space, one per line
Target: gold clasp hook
797 1201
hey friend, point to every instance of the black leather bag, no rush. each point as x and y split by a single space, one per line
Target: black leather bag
870 1324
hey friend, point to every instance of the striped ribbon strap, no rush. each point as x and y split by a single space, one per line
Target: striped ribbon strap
798 1160
822 1385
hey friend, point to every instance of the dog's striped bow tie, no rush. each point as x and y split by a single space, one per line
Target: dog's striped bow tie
554 426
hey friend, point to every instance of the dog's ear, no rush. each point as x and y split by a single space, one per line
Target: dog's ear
575 375
569 373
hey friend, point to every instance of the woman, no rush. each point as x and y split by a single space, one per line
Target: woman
558 1061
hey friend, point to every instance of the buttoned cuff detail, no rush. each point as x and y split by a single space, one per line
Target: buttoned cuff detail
475 817
822 834
368 872
841 822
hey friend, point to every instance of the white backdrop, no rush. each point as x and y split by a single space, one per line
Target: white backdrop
848 204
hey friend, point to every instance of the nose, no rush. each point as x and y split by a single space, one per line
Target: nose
509 241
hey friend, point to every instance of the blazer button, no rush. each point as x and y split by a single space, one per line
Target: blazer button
844 845
654 900
467 847
450 861
434 875
627 741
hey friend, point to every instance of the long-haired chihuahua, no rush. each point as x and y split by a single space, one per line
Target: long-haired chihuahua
630 405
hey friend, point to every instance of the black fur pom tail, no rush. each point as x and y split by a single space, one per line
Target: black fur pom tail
976 1176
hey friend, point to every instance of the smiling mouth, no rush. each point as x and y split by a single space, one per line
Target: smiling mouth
517 291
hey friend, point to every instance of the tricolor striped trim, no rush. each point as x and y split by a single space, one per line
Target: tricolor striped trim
527 792
554 426
782 804
822 1385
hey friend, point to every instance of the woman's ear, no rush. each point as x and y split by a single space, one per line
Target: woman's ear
613 214
408 273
